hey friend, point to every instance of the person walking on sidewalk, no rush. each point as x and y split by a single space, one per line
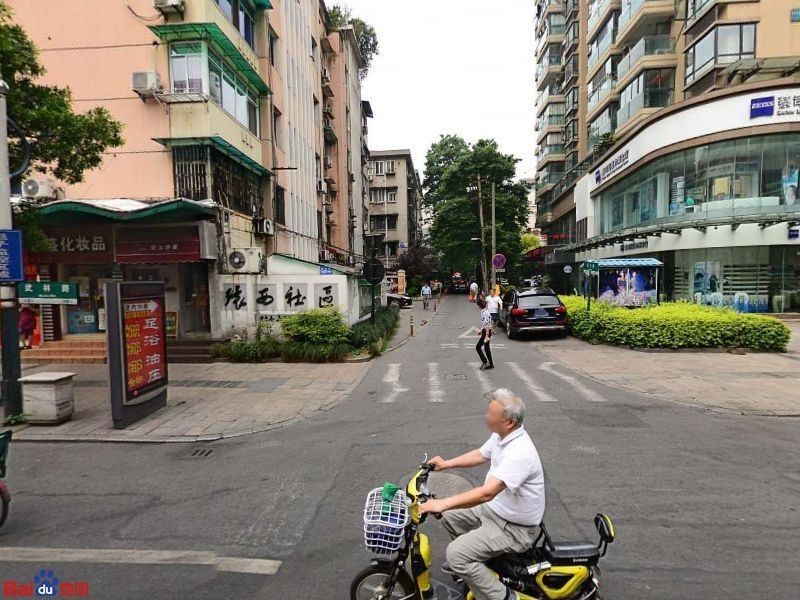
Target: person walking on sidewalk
494 304
426 293
473 291
485 336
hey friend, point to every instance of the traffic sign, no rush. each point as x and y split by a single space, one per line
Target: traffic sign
374 271
498 261
47 292
11 255
499 270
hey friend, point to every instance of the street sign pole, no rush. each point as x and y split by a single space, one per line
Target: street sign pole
494 237
9 312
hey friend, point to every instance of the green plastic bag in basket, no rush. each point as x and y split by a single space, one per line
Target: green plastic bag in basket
389 492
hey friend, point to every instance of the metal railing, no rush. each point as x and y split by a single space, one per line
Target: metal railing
655 98
647 46
600 93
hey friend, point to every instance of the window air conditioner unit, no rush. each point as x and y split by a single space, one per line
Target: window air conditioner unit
322 187
246 260
145 83
169 6
39 188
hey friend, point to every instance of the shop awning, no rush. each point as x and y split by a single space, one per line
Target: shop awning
263 4
69 212
211 33
594 266
223 146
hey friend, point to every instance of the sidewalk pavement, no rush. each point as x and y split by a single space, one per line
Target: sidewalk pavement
752 383
421 318
206 402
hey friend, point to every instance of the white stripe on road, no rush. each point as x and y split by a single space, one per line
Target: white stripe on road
486 385
393 377
435 383
587 392
449 346
532 386
492 346
230 564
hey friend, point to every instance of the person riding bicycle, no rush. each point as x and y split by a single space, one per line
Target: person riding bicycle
503 515
426 294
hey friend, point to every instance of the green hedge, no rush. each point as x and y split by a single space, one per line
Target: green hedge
366 336
674 325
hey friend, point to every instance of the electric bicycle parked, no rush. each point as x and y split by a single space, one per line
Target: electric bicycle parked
549 570
5 495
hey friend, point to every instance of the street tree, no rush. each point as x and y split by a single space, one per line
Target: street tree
440 157
342 16
419 262
530 242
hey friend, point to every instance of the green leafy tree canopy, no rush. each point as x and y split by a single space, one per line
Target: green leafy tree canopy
62 142
342 16
530 242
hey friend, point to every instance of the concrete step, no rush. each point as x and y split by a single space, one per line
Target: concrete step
74 345
73 359
55 353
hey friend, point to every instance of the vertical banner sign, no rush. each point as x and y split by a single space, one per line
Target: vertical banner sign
137 350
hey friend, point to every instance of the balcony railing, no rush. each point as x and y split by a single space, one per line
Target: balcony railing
549 149
548 177
603 44
598 10
629 11
549 121
648 46
657 98
554 89
600 93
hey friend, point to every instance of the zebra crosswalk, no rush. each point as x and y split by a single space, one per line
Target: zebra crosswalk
530 380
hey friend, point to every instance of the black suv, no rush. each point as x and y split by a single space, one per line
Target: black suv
537 309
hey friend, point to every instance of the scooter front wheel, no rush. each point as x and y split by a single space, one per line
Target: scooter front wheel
370 584
5 503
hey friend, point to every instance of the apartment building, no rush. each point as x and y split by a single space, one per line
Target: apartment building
343 178
216 189
690 149
395 202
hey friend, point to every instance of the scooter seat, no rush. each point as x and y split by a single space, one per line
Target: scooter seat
572 552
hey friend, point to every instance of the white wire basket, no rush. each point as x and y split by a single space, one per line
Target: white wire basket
385 523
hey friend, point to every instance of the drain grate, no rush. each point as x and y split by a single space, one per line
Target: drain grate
201 452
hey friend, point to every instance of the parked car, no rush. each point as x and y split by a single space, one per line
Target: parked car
400 300
537 309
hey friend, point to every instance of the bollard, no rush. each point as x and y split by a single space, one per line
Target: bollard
435 304
412 324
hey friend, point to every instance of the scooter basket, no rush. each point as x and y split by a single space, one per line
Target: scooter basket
385 522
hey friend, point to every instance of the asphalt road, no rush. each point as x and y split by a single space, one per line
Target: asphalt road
705 504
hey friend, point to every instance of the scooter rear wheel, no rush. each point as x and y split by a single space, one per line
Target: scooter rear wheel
369 583
5 503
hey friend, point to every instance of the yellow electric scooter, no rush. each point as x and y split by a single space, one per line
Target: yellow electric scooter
550 570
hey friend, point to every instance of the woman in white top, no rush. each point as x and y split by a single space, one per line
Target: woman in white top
486 336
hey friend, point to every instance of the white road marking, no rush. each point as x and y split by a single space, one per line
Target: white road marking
231 564
586 391
472 332
449 346
435 383
393 377
533 387
486 385
393 374
492 346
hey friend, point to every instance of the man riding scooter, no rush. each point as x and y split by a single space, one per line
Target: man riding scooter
503 515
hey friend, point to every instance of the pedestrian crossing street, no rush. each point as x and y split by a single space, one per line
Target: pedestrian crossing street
526 379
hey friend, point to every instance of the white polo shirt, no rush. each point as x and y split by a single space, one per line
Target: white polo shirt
516 463
493 303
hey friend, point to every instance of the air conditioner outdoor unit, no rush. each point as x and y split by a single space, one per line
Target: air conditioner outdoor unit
326 74
246 260
351 260
39 188
264 227
169 6
145 83
322 187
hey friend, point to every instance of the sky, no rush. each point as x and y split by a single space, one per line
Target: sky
451 66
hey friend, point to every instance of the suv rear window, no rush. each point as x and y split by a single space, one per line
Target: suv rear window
538 301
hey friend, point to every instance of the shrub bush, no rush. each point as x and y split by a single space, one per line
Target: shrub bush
365 335
674 325
318 326
311 352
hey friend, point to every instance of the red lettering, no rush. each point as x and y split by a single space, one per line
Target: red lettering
17 590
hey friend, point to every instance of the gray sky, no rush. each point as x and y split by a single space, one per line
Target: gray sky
451 66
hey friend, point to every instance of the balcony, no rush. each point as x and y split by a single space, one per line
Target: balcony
549 153
600 12
648 99
653 51
600 50
554 34
206 123
601 94
551 94
639 15
548 70
548 124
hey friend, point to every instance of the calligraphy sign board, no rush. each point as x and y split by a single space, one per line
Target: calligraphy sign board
137 350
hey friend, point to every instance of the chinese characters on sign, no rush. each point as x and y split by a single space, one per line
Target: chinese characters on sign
268 298
144 345
11 255
80 243
48 292
326 294
296 296
787 105
235 297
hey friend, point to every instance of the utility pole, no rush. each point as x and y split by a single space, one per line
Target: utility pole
484 273
494 237
9 311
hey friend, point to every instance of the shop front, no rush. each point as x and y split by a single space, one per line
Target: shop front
92 255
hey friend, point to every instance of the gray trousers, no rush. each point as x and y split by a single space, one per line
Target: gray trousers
480 534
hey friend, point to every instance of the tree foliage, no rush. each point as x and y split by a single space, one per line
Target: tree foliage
342 16
418 261
456 218
62 142
530 242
